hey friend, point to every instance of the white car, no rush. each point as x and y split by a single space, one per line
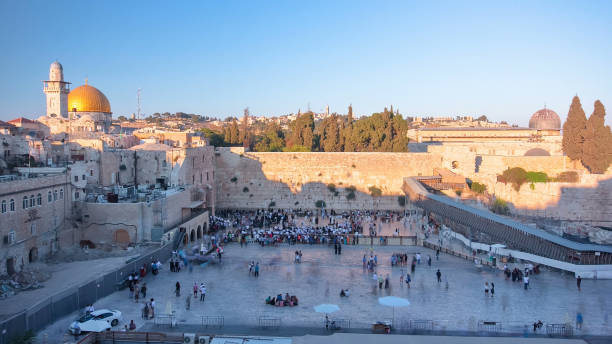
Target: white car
96 321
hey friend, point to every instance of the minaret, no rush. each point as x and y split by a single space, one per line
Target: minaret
57 91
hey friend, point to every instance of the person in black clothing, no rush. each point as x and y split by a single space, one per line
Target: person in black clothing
439 275
578 282
178 289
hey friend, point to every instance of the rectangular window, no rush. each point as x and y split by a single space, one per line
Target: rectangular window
76 195
33 229
83 177
91 173
12 237
76 178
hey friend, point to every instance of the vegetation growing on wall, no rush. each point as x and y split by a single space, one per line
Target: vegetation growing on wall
374 191
350 193
499 206
320 204
331 187
234 179
568 177
245 189
517 176
478 188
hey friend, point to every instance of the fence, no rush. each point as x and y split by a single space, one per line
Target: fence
72 299
561 330
269 322
489 326
213 321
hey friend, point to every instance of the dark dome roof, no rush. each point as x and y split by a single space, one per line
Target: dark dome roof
545 119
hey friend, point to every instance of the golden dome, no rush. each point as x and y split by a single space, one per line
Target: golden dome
88 99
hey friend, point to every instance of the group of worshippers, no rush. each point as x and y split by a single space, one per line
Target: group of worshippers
280 301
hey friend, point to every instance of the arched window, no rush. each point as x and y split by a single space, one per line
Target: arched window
3 206
39 199
12 205
61 193
49 197
54 195
24 203
32 201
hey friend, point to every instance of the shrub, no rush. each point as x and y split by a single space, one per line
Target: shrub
499 206
245 189
515 176
478 188
568 177
401 200
458 192
320 204
374 191
537 177
271 204
353 166
234 179
122 167
331 187
296 203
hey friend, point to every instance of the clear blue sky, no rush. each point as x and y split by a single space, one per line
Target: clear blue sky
503 59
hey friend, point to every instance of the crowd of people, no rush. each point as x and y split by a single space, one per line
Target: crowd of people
280 301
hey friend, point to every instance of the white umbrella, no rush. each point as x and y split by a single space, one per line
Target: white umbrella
326 308
393 301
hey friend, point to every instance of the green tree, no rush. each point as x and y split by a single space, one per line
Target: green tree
329 133
214 138
246 134
596 150
234 133
272 139
302 131
122 118
574 130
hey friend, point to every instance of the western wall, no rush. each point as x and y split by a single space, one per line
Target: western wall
297 180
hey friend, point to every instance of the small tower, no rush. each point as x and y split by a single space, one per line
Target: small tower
57 91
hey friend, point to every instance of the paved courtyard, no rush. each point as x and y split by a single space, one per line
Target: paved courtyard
239 297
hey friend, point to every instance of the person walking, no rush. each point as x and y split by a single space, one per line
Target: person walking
492 289
177 289
408 280
429 260
439 276
340 248
152 305
195 290
438 254
578 282
143 290
202 292
579 320
526 281
257 269
486 288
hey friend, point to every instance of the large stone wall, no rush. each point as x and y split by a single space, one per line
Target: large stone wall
298 180
589 201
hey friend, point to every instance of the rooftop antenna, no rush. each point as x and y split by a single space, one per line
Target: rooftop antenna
138 111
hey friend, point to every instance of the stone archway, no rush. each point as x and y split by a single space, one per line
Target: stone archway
33 255
121 236
192 236
199 232
186 238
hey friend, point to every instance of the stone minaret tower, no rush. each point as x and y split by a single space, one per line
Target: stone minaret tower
57 91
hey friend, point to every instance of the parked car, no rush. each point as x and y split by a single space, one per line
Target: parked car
96 321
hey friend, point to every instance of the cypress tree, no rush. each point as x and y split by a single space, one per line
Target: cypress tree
596 150
573 130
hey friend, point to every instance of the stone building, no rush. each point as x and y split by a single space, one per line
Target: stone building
34 213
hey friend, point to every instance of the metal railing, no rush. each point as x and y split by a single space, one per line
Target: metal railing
165 319
490 326
559 330
213 321
268 322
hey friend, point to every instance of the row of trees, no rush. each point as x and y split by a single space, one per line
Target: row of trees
381 132
588 140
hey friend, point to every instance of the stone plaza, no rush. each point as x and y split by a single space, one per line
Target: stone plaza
458 303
